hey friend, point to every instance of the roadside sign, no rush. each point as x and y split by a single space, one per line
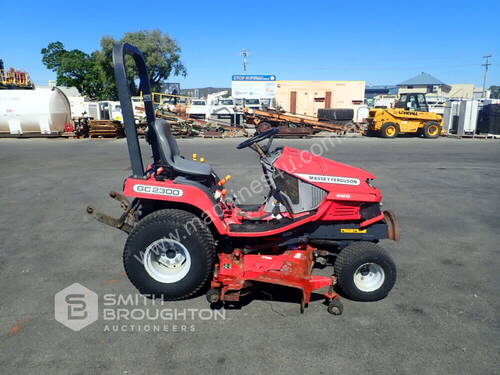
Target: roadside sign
256 86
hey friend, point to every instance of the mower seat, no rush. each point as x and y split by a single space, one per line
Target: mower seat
170 154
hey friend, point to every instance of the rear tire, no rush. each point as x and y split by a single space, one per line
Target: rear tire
389 130
431 129
365 272
169 254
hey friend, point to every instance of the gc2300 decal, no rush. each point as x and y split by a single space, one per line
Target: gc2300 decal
158 190
329 179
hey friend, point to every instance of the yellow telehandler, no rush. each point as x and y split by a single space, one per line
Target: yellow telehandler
409 115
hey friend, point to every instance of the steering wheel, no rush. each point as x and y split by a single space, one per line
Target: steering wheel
257 138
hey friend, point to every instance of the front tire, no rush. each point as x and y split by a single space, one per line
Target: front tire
431 130
169 254
365 272
389 130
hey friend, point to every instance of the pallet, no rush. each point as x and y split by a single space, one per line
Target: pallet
99 129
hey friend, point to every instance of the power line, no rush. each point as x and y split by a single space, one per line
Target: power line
486 65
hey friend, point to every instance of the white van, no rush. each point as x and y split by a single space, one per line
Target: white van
252 103
199 109
223 108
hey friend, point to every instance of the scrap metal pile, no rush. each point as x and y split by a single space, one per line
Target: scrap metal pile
183 126
291 124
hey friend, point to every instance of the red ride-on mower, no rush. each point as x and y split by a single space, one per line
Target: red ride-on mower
184 231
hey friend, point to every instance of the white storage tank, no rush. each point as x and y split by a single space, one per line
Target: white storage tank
42 111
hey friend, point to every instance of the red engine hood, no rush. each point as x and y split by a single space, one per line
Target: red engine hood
325 173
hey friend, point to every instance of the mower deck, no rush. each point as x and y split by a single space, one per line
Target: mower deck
293 268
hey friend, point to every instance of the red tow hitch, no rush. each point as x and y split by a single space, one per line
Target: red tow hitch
236 271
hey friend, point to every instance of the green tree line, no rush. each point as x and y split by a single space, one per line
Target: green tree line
92 74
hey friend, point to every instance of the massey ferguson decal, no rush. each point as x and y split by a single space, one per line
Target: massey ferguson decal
158 190
329 179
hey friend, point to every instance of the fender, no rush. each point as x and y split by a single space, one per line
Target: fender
169 191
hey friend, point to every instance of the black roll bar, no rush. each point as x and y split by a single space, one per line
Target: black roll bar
122 84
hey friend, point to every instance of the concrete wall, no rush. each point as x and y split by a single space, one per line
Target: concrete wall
312 95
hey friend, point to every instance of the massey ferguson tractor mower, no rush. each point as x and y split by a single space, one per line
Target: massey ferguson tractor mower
184 232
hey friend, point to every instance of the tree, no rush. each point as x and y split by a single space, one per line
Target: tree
495 92
73 68
161 52
93 74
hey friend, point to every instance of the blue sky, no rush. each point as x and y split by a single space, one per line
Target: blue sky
381 42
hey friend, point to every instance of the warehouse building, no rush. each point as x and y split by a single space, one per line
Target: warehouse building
306 97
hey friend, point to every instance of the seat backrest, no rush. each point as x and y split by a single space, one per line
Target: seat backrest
167 145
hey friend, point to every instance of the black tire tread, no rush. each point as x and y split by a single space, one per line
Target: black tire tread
177 216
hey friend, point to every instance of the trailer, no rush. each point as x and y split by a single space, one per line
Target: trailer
291 124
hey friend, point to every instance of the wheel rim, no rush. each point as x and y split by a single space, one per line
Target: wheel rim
167 261
390 131
369 277
433 130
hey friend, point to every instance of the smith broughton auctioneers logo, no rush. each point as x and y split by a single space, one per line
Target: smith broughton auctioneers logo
76 307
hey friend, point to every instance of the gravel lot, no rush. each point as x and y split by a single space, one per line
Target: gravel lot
441 318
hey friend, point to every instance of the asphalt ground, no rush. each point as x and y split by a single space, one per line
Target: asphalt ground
441 317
